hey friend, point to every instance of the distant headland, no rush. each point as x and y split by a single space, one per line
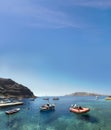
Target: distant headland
85 94
9 88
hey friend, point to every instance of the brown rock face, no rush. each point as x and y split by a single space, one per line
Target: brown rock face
9 88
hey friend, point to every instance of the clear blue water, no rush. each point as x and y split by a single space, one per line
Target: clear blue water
30 118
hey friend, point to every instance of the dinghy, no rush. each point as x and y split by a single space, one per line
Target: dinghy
79 109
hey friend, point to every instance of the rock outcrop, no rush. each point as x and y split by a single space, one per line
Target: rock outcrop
84 94
9 88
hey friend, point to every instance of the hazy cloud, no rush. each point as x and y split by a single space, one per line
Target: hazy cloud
49 14
90 3
37 14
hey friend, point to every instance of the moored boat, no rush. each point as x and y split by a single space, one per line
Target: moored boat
108 98
97 97
45 98
79 109
55 98
12 111
5 104
47 107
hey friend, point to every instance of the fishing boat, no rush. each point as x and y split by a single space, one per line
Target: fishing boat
79 109
47 107
12 111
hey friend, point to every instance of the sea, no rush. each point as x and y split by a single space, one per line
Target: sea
30 117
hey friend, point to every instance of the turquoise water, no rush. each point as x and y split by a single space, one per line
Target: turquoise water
30 118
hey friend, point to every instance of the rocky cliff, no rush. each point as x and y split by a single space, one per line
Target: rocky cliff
9 88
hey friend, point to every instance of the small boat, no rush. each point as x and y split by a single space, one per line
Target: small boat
79 109
47 107
55 98
12 111
108 98
97 97
10 103
45 98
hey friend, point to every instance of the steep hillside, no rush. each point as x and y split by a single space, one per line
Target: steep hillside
9 88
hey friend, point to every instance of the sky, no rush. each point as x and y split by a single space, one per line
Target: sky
56 47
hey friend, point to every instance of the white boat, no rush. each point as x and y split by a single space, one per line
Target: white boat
12 111
108 98
97 97
5 104
47 107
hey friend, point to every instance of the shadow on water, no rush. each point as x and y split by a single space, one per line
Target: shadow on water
47 111
48 116
88 118
13 123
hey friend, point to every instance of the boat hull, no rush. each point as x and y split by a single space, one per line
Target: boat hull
108 98
79 111
9 112
47 107
11 104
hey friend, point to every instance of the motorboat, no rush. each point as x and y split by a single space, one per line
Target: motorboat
47 107
55 98
12 111
79 109
108 98
45 98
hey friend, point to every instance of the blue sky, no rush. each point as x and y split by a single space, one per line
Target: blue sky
56 47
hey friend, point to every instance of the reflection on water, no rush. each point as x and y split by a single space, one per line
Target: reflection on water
30 117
